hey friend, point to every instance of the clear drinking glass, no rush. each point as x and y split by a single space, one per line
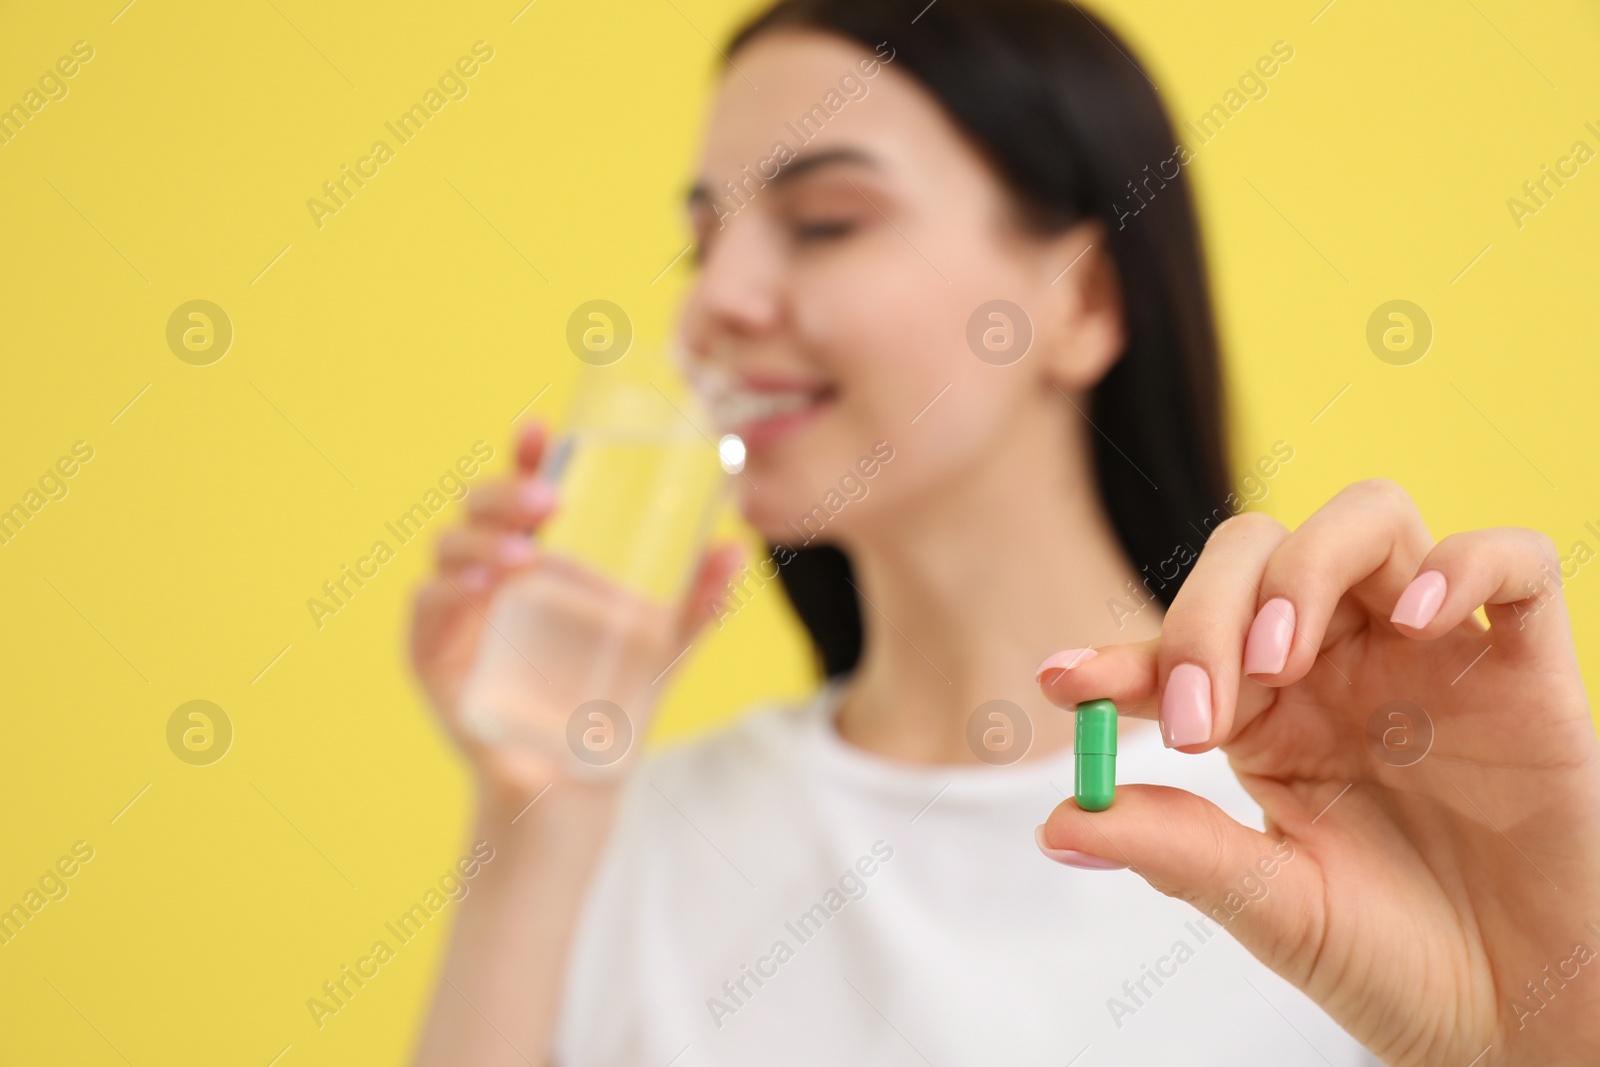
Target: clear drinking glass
573 649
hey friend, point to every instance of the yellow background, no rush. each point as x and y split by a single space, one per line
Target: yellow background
415 322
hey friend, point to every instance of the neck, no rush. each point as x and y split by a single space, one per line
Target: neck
966 590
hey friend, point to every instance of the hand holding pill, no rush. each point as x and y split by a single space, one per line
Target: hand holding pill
1431 898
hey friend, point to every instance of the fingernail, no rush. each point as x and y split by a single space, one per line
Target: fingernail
1064 660
474 578
1186 707
1421 600
514 550
536 495
1266 650
1073 858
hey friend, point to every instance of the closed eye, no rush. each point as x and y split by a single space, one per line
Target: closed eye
824 229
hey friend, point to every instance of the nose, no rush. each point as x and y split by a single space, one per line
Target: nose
738 294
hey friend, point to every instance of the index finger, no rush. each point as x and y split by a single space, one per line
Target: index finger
1126 675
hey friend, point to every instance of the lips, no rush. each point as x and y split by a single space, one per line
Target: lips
762 409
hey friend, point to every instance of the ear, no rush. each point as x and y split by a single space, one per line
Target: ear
1085 330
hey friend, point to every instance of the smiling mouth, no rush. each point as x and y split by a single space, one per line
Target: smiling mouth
741 410
759 409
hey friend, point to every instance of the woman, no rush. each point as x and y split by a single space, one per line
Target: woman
848 880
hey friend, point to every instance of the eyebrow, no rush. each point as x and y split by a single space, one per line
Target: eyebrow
796 169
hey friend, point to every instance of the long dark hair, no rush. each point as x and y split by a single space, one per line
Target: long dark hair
1073 125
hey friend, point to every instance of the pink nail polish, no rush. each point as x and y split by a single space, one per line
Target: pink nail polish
1266 650
1421 600
1073 858
1186 707
1064 660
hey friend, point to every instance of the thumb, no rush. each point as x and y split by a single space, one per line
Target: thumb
1262 889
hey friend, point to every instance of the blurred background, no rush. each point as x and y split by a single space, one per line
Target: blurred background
222 384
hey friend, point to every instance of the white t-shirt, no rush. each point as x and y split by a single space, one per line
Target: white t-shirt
774 895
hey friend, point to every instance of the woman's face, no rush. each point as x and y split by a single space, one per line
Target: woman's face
837 281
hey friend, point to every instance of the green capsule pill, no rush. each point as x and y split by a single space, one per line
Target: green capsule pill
1095 744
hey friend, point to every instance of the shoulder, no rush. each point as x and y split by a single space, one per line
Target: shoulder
759 743
729 787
